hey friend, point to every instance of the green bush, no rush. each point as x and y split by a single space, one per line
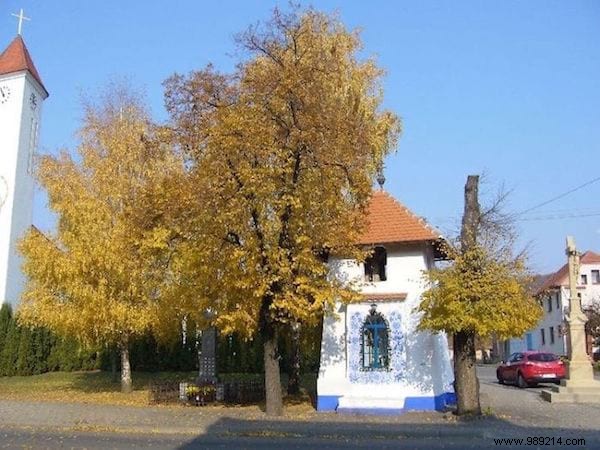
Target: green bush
31 351
67 355
10 350
5 320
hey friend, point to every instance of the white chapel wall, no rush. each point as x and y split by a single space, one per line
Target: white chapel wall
421 351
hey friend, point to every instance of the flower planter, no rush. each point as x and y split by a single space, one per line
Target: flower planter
200 395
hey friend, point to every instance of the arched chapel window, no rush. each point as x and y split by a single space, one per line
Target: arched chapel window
375 341
375 265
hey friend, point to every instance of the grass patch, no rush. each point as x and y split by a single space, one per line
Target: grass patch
83 387
97 387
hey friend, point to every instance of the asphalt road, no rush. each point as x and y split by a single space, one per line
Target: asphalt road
31 439
526 406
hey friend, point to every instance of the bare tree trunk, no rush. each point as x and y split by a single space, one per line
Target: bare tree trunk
465 374
471 215
126 385
496 350
466 383
274 401
113 364
294 379
268 331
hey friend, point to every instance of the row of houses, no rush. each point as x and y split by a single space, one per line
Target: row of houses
553 293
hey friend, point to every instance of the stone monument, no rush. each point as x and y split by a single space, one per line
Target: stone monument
580 385
207 364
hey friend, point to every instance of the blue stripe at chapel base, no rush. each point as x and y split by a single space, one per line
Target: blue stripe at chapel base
437 403
448 399
328 402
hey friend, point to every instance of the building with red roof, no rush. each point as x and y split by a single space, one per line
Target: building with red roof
372 357
554 296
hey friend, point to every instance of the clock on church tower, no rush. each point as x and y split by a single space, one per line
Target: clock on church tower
21 96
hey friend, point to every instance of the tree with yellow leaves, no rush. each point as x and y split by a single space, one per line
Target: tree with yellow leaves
98 276
483 291
281 154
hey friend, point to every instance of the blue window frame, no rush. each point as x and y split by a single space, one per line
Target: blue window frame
375 342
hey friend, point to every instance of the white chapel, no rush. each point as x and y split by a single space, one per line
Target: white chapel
373 359
21 96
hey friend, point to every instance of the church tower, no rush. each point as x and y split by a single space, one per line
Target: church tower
21 96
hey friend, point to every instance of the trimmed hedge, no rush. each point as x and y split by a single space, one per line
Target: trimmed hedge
31 351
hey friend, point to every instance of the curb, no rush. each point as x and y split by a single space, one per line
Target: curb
261 430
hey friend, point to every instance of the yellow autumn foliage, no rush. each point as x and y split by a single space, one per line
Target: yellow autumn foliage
481 292
98 275
282 155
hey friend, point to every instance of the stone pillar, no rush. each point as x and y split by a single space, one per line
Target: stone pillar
579 385
208 356
579 368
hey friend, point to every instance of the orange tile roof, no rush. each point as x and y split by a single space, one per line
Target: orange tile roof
561 276
389 221
556 279
590 258
16 58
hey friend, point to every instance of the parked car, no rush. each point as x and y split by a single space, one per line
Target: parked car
529 368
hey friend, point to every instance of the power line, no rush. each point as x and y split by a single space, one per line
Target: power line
542 215
591 210
564 194
557 216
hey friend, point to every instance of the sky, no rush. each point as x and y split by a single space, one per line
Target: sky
509 89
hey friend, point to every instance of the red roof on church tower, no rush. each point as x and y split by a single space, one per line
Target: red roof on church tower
390 221
16 58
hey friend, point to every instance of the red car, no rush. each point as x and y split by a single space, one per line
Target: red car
529 368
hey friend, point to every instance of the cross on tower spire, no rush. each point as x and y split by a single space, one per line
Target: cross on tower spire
21 18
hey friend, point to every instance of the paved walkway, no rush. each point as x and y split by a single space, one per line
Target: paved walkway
512 412
192 420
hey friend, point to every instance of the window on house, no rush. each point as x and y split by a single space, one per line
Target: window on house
557 301
543 334
550 304
595 276
375 265
375 341
529 341
551 331
583 278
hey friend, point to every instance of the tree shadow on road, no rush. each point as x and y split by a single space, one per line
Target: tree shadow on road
408 431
